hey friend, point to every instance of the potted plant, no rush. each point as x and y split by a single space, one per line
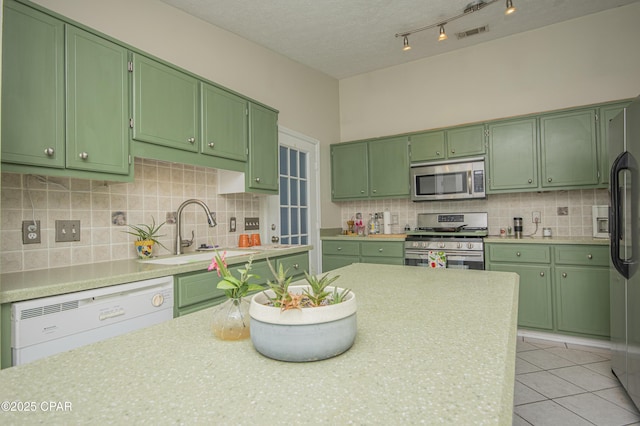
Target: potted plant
231 318
146 237
302 322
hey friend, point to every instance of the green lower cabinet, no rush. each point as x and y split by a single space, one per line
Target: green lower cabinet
564 288
296 264
339 253
535 303
582 300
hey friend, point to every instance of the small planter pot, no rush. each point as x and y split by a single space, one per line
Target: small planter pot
144 248
301 335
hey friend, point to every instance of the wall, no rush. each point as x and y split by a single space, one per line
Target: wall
501 210
158 189
307 99
583 61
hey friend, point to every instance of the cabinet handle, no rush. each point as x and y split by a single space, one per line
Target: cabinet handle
339 248
549 179
296 266
564 275
191 140
453 151
211 144
589 256
542 274
375 190
362 191
518 253
530 180
83 155
380 250
438 153
257 180
49 151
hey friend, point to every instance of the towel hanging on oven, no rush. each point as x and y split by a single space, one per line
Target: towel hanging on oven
437 259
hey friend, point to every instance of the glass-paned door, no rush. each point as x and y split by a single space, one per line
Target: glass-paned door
294 189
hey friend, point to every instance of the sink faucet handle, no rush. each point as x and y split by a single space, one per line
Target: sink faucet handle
187 243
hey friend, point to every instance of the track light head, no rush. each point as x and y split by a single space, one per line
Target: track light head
443 35
510 8
405 43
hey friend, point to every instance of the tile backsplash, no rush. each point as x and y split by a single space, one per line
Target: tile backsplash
103 208
501 209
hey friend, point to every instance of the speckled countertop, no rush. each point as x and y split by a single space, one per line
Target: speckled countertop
433 346
27 285
381 237
547 240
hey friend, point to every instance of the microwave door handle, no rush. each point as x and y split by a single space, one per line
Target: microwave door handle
469 182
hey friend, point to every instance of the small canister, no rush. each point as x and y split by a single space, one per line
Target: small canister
517 227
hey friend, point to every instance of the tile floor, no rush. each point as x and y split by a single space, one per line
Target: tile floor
567 384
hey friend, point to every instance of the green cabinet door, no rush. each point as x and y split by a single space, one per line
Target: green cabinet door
32 87
224 123
349 171
389 167
568 148
465 141
428 146
330 262
165 105
262 173
582 300
97 104
296 264
513 155
605 114
535 307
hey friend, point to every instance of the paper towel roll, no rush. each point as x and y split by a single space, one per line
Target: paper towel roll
386 219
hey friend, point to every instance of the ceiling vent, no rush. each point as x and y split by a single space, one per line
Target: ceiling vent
472 32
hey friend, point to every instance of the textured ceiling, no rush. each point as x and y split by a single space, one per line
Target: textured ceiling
343 38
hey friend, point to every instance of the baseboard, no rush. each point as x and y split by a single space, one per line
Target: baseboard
563 338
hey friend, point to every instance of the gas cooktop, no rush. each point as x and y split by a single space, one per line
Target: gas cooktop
473 224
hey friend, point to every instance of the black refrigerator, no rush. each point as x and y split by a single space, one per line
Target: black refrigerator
624 215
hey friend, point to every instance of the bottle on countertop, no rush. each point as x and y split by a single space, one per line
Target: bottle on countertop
376 224
371 226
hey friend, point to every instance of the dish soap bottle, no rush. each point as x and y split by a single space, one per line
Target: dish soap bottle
371 225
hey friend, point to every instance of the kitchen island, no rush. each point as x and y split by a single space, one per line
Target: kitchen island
433 347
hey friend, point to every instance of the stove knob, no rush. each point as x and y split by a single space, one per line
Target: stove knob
441 245
425 245
459 245
469 245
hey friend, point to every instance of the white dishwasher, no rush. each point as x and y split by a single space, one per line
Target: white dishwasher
49 325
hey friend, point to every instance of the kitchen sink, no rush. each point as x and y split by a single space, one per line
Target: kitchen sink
272 247
197 257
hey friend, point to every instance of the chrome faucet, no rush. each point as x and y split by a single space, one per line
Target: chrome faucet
211 218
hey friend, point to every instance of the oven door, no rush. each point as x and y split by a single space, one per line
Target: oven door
455 259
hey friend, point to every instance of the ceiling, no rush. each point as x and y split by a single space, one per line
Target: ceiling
343 38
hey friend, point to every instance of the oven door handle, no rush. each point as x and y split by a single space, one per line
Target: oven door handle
469 182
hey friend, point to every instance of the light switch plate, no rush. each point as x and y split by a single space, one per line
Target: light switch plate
67 230
251 223
232 224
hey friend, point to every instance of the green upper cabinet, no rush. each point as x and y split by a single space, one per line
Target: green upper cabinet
569 149
428 146
377 168
97 104
349 171
32 87
513 155
605 114
224 123
165 105
456 142
389 167
262 176
465 141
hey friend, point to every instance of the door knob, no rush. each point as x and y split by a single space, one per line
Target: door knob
83 155
549 179
49 151
257 180
211 144
542 274
191 140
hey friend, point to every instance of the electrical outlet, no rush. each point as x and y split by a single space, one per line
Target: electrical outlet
536 217
232 224
30 232
67 230
251 223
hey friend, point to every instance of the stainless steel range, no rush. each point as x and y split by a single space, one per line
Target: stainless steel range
458 235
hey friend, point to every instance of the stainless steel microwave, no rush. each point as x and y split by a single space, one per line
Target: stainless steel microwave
448 180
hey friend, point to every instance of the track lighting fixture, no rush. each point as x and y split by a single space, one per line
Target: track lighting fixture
474 6
443 35
405 43
510 8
